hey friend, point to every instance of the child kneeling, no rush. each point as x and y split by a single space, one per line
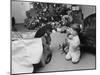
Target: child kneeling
74 43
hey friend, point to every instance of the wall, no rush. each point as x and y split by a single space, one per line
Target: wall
88 10
19 9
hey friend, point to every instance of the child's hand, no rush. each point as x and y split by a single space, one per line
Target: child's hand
66 49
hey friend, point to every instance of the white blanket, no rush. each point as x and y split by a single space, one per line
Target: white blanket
26 52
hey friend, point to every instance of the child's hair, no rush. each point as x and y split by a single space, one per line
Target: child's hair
76 27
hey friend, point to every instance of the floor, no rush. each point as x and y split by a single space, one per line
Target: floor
58 62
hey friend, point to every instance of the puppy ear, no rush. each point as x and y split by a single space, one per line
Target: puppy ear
59 45
66 40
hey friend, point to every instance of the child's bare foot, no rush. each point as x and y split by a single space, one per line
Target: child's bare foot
75 57
68 56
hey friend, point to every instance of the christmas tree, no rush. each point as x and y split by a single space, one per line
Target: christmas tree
42 13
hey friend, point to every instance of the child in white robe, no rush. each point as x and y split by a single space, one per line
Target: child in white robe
74 43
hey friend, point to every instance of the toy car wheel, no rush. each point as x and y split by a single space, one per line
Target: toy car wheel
42 62
48 59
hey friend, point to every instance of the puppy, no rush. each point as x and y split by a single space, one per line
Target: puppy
64 47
